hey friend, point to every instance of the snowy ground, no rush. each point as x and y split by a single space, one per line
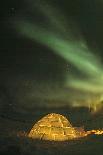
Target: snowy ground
12 124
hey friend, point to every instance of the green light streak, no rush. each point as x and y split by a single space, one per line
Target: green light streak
74 52
60 37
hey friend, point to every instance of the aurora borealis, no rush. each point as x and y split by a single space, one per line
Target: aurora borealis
58 49
65 39
75 52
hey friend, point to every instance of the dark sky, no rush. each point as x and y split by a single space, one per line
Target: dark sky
25 59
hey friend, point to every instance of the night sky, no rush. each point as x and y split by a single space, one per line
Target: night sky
31 71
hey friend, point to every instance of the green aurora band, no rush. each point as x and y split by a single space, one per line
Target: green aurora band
58 36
